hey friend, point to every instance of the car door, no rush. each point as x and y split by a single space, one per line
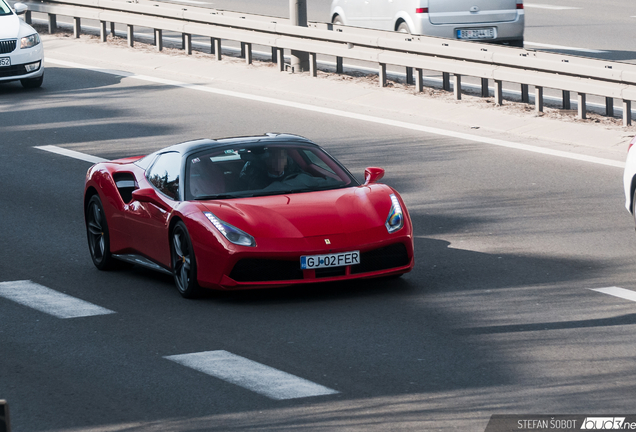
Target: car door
384 12
471 11
147 222
358 13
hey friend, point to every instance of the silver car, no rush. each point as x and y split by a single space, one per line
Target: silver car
21 52
498 21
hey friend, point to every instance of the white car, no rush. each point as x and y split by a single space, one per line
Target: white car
498 21
629 178
21 51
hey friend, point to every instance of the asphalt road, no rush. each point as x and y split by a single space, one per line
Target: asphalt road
498 316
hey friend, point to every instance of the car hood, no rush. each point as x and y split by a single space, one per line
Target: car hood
12 27
310 214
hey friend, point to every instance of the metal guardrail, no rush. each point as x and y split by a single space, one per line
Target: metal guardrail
583 76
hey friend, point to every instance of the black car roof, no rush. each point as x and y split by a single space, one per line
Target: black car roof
201 144
193 146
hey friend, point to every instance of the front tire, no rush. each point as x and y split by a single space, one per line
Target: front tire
184 265
98 235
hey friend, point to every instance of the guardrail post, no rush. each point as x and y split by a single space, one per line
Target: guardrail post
129 36
274 59
420 79
77 27
382 73
446 81
216 48
313 65
102 31
485 91
52 23
280 59
27 17
409 75
499 92
248 53
339 66
566 99
457 86
298 17
242 49
5 421
525 96
627 113
609 107
159 39
538 99
582 107
112 29
187 43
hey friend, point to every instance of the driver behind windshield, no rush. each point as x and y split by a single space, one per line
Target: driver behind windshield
274 165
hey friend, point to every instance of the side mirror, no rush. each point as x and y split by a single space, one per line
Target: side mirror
372 175
148 195
20 8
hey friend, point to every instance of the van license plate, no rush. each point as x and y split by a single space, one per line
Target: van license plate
481 33
329 260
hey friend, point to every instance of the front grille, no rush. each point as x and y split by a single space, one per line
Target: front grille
264 270
10 71
382 259
330 272
7 46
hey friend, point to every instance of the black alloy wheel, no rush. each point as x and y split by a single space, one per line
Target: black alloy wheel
97 233
184 266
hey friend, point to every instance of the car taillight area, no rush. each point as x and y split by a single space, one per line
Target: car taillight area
631 143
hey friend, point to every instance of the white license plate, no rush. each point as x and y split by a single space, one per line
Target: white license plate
329 260
481 33
5 61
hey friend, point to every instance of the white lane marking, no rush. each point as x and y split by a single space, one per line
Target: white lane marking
191 1
551 7
49 301
71 153
367 118
617 292
562 47
251 375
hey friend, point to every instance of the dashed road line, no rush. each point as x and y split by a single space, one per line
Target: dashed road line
251 375
49 301
71 153
617 292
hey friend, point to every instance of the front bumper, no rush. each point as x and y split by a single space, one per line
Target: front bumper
19 61
389 256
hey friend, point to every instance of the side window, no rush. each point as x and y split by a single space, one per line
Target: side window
164 174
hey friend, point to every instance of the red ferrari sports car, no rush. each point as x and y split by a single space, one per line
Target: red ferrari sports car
248 212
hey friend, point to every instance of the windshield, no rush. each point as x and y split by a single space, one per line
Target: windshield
4 8
262 170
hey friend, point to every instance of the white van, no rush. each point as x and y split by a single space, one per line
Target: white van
498 21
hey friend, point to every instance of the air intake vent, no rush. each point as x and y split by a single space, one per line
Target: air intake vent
7 46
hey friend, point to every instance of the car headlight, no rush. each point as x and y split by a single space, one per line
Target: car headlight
395 221
230 232
29 41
